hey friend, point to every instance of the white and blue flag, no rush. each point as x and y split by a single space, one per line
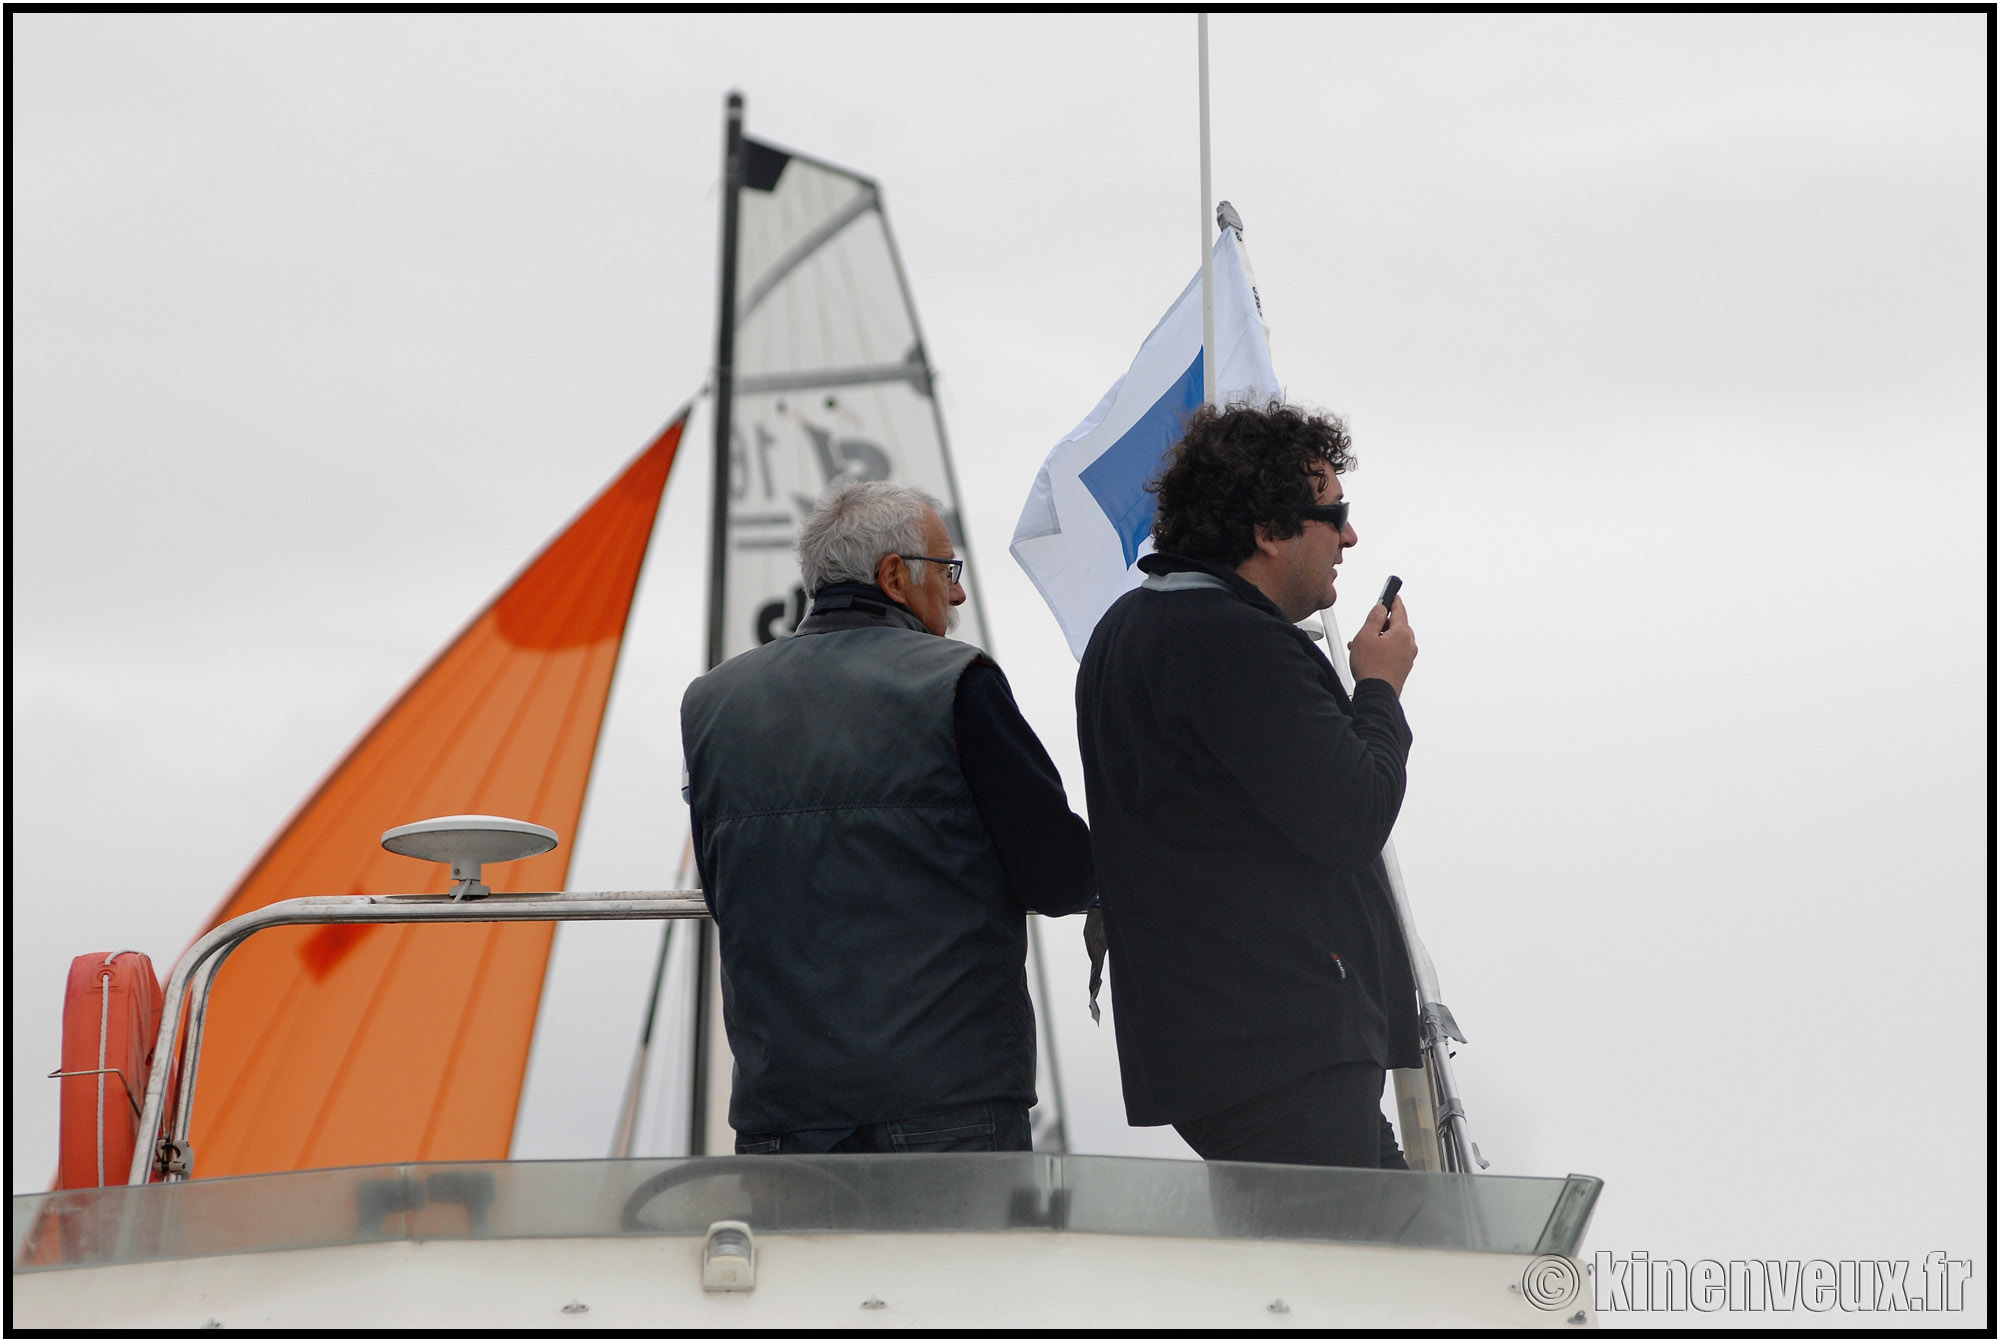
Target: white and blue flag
1088 518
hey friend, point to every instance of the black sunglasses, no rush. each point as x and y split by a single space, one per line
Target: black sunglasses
956 566
1333 514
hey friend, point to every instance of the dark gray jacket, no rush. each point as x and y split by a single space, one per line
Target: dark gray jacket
872 960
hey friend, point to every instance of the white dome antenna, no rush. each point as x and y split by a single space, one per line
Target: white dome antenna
468 842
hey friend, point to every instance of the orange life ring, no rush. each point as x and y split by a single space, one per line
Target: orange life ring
111 1020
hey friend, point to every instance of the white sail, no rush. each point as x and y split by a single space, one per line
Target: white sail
831 381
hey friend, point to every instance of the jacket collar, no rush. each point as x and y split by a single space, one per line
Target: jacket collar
1254 595
1159 562
856 605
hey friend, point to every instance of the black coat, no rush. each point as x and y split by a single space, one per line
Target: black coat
1239 803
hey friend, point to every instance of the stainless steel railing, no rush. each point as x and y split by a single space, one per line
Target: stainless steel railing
163 1136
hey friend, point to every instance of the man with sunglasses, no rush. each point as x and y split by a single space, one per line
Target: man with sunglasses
1239 803
873 820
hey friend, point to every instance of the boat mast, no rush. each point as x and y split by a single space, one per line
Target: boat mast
725 375
718 538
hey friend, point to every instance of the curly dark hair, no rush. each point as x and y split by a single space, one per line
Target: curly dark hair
1239 468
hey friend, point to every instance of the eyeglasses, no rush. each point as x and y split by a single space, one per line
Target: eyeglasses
956 567
1333 514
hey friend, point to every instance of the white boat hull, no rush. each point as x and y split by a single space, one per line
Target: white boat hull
938 1280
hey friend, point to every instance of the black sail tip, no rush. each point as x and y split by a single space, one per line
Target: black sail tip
762 165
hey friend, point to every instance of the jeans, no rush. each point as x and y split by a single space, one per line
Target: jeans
991 1125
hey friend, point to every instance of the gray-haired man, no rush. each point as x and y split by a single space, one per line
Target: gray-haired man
873 819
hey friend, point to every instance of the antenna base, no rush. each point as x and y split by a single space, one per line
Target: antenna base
467 842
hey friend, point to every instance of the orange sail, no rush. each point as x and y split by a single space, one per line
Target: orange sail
354 1045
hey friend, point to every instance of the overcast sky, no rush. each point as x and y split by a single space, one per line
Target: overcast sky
1663 343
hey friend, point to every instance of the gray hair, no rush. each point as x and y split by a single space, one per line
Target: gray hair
855 525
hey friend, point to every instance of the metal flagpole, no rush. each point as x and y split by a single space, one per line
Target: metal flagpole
1208 370
1438 1027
